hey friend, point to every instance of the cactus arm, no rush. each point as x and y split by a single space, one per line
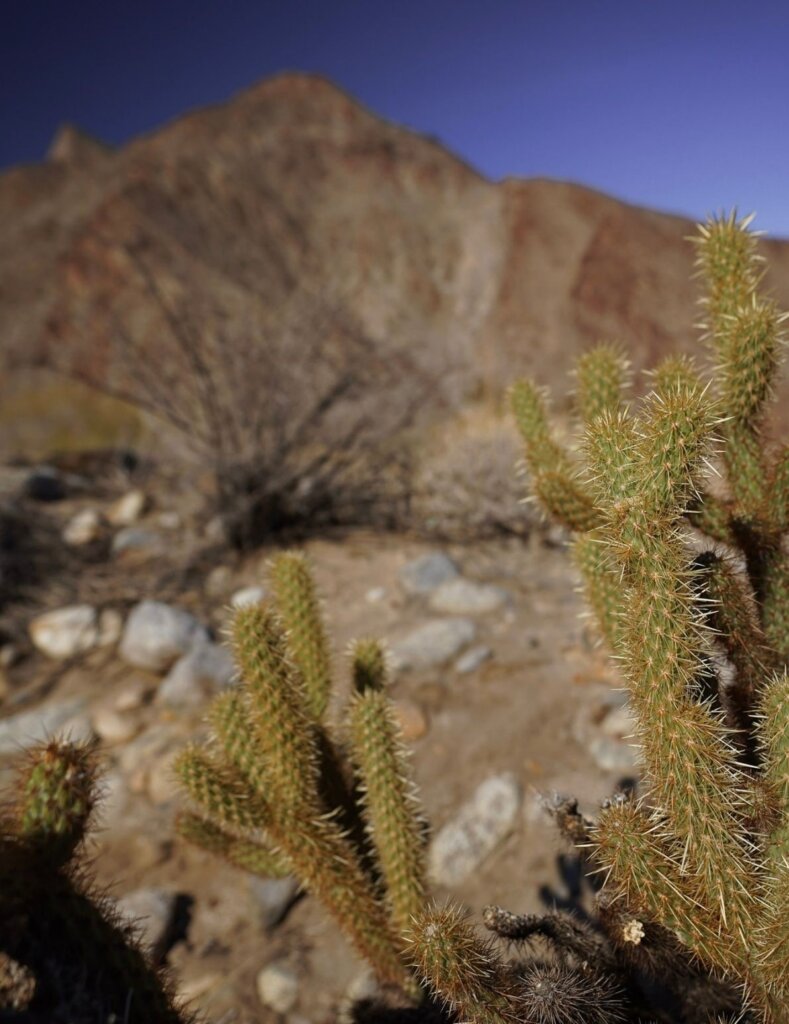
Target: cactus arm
601 378
305 633
390 805
241 853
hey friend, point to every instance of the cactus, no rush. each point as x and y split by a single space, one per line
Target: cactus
278 793
81 963
705 855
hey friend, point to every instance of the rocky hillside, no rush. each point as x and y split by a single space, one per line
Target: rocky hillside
293 192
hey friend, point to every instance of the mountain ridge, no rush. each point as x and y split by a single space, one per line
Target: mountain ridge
293 189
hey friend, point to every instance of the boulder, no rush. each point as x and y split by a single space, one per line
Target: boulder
157 634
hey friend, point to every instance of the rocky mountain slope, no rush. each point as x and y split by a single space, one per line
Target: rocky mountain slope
292 192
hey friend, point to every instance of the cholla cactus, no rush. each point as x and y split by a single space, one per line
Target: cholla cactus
80 961
703 578
277 794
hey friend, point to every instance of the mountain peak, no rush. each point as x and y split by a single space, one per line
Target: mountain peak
73 146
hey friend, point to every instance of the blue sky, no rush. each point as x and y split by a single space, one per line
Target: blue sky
679 106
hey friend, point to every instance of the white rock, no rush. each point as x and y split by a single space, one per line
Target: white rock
169 520
127 509
246 596
473 659
113 727
432 644
114 799
131 697
78 729
157 634
375 595
82 528
476 830
465 597
31 727
217 582
205 669
278 987
151 911
425 573
110 627
65 632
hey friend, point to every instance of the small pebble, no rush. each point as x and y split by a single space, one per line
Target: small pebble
278 987
411 719
112 726
473 659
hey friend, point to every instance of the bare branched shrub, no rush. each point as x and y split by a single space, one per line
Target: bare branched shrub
465 485
297 412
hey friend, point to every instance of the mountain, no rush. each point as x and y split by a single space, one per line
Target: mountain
292 193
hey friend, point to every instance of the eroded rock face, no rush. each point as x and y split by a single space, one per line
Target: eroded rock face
495 279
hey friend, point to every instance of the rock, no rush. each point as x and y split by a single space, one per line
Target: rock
427 572
273 897
432 644
128 508
619 723
114 799
132 696
113 727
9 655
134 539
157 634
375 595
145 851
192 988
45 483
78 729
145 748
464 597
199 673
31 727
479 826
152 912
473 659
83 528
613 755
162 784
278 987
169 520
461 596
411 719
218 581
246 596
65 632
110 627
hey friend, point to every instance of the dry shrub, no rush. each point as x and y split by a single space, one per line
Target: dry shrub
466 485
